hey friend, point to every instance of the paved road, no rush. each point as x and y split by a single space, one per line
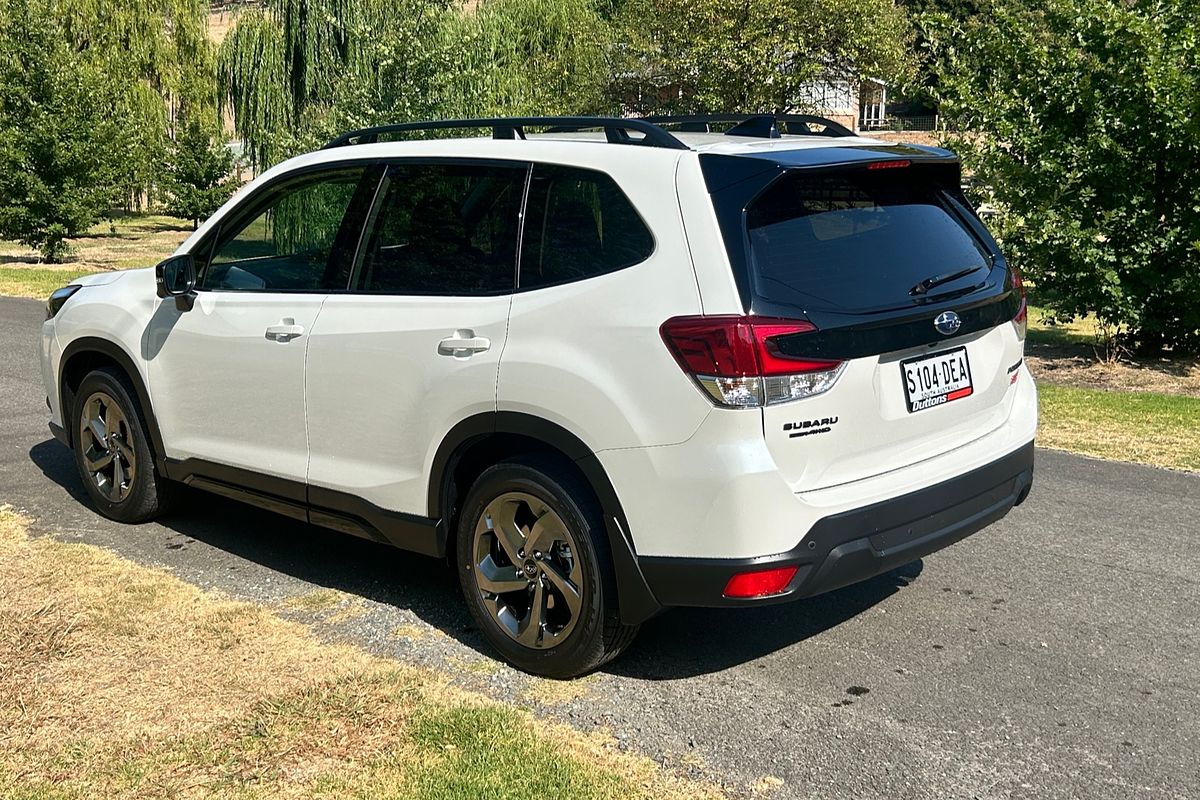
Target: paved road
1056 654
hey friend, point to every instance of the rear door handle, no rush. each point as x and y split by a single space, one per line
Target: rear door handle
463 344
285 331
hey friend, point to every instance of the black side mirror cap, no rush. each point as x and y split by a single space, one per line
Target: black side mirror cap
176 276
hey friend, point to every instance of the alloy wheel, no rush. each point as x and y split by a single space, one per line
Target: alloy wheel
106 444
527 570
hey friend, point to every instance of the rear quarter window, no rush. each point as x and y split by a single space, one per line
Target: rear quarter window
579 224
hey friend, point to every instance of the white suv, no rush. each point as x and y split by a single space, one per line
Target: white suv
609 368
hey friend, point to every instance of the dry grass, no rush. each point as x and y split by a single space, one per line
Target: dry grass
117 680
127 242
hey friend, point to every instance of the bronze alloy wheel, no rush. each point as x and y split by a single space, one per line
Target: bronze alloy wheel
527 571
107 445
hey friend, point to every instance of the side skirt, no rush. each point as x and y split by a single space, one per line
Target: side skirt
331 509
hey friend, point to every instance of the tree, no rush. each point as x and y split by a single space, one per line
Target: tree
294 72
1085 129
59 144
197 181
158 56
754 55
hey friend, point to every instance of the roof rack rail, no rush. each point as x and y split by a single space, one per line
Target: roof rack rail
615 130
765 126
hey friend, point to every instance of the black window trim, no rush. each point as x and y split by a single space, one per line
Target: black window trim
206 245
238 215
524 218
380 191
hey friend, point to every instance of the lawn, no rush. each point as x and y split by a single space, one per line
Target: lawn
128 241
1144 427
119 680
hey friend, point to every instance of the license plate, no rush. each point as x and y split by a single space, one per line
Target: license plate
933 380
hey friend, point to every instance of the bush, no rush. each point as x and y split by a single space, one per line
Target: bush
1085 121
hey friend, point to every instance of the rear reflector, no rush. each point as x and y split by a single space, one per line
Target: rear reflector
888 164
738 362
760 584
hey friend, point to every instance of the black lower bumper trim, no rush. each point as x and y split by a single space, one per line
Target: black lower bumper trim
855 545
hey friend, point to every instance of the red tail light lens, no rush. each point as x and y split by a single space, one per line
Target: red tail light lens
762 583
888 164
738 362
1021 320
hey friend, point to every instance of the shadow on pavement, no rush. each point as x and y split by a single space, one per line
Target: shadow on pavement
680 643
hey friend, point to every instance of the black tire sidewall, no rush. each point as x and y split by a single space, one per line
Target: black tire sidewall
142 502
584 647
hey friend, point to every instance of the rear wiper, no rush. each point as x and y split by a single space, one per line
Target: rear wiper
937 280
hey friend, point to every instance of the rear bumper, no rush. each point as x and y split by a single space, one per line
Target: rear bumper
855 545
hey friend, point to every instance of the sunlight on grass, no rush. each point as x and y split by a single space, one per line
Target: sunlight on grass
130 241
122 681
1157 429
37 283
1075 332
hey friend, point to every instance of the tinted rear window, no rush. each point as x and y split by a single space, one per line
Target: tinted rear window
858 240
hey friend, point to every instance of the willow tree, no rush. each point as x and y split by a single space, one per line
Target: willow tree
158 59
295 71
281 62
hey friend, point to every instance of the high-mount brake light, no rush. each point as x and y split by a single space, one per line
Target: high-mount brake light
738 361
896 164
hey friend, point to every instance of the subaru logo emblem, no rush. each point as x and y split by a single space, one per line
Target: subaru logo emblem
947 322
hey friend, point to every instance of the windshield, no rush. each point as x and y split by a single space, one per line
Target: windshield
860 240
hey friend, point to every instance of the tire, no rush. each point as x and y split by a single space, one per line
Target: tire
539 499
127 487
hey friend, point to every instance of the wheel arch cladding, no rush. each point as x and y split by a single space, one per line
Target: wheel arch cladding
479 441
89 353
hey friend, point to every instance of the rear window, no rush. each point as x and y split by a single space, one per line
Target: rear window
859 240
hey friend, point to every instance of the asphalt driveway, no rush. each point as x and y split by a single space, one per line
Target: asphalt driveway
1056 654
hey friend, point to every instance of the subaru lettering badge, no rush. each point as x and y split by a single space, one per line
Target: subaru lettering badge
947 322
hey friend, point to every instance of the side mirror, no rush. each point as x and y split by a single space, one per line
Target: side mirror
176 277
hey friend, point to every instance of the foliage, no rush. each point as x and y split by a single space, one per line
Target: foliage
1085 120
157 55
755 55
295 72
197 173
59 143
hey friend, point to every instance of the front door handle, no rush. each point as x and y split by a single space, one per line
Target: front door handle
463 344
285 331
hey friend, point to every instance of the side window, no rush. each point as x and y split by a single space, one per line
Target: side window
444 229
579 224
290 241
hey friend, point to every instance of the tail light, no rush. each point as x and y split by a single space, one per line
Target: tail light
738 362
1021 320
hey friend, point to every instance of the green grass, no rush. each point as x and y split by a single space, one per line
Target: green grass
1158 429
129 241
1071 332
35 282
